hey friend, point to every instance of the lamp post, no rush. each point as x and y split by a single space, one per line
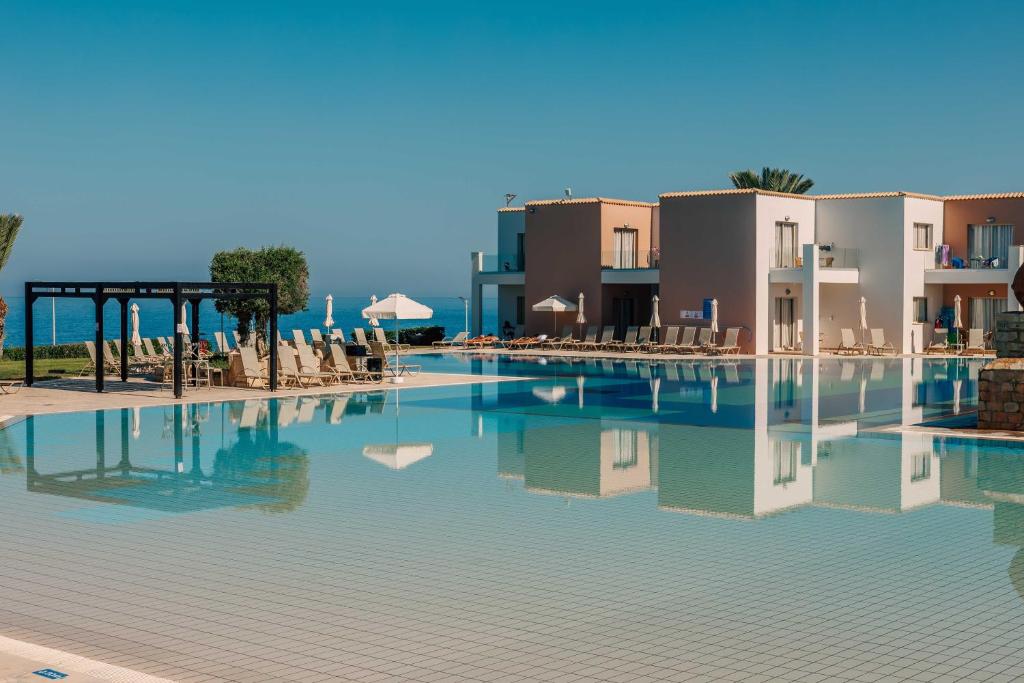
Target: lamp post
465 304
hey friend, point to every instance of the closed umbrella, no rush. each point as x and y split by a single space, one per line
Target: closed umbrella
373 321
555 304
184 318
581 319
957 383
329 318
580 379
655 318
136 337
714 321
714 393
862 395
655 390
136 422
863 319
397 307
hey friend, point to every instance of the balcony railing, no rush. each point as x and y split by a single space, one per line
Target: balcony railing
832 257
504 263
629 260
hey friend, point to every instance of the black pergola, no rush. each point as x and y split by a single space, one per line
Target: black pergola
175 292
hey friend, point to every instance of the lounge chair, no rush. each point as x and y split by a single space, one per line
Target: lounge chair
731 343
448 342
849 344
686 341
527 342
299 338
940 341
238 338
878 345
338 335
705 341
222 342
589 344
316 338
252 371
589 340
109 359
338 362
381 338
627 341
975 342
558 342
11 386
361 337
643 340
310 365
668 343
482 341
289 369
151 351
377 349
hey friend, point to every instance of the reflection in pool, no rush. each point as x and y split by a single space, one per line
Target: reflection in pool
703 517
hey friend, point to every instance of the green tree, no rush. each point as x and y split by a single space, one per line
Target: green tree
10 226
284 265
774 179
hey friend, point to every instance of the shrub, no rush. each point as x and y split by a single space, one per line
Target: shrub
58 351
424 335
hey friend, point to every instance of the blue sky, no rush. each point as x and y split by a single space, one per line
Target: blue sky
137 139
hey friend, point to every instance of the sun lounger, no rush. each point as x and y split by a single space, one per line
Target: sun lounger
309 364
289 369
11 386
878 345
252 371
702 343
686 343
975 342
527 342
731 343
361 337
381 338
448 342
338 361
377 349
338 335
558 342
668 343
482 341
627 342
317 338
588 341
222 342
848 343
940 341
596 343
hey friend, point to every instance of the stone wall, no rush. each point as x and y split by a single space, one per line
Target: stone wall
1008 339
1001 395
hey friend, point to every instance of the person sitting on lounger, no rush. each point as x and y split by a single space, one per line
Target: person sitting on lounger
507 331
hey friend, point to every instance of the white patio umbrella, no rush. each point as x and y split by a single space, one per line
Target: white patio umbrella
555 304
329 318
552 394
136 337
581 319
398 456
714 321
136 422
656 317
863 318
397 307
373 321
958 321
184 319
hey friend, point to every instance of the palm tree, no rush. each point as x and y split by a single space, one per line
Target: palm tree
10 224
774 179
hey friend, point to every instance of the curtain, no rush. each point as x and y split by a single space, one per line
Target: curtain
785 245
988 241
984 310
625 249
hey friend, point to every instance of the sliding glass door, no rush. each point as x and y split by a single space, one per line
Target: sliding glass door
988 242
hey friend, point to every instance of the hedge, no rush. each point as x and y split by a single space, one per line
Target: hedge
415 336
58 351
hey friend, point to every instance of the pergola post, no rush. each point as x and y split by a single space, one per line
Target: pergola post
126 461
29 343
101 445
273 337
178 340
124 339
195 327
100 341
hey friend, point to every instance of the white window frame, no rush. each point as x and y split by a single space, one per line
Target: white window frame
917 301
928 230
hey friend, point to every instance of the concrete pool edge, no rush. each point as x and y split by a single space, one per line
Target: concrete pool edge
20 659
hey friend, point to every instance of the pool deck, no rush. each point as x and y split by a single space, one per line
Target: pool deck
19 662
79 394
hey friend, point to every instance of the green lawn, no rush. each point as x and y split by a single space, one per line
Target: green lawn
45 368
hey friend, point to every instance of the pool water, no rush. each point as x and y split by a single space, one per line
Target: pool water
610 521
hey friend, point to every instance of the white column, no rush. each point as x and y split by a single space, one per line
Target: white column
1014 262
476 295
810 299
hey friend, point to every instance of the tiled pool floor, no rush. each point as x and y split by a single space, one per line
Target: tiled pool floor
605 523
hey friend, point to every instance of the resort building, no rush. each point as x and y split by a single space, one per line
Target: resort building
789 270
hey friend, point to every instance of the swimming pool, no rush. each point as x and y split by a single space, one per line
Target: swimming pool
614 521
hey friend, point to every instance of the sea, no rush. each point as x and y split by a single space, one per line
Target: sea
74 318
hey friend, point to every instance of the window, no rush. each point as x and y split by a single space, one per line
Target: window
920 309
920 466
521 250
624 448
922 236
983 311
988 242
520 310
624 248
784 462
785 245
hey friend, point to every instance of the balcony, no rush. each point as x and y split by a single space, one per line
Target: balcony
835 264
946 269
503 263
627 267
